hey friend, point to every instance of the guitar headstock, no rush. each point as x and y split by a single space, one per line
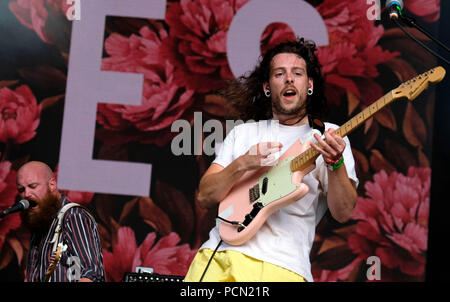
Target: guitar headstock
412 88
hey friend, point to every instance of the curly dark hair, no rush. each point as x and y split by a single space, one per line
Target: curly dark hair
246 94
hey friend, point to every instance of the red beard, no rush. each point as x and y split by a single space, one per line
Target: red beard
40 218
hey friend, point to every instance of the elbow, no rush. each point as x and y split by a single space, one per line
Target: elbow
204 201
344 217
202 196
201 201
346 214
207 195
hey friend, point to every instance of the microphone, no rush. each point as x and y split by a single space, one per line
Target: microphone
20 206
394 7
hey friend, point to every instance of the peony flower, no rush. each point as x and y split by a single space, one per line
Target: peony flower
430 11
34 14
337 275
164 256
19 115
8 193
163 100
197 42
393 221
120 260
349 62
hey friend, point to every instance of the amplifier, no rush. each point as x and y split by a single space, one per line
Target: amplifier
151 277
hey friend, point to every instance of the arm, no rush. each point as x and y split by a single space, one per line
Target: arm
218 181
341 196
83 242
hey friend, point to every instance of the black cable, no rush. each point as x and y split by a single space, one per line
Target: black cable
412 22
209 262
230 222
418 41
220 242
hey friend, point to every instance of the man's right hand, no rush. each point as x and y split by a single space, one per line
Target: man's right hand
259 155
217 180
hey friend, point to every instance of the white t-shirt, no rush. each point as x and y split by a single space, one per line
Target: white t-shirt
286 238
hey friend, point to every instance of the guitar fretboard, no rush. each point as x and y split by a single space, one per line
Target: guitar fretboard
309 156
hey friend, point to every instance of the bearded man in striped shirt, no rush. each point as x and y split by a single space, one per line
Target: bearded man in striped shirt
77 239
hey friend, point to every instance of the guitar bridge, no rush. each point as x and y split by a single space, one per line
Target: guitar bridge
254 193
257 206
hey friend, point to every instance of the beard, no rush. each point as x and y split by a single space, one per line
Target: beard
278 108
41 219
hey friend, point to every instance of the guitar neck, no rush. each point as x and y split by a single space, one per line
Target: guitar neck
364 115
309 156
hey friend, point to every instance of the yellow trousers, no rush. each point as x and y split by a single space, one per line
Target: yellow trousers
232 266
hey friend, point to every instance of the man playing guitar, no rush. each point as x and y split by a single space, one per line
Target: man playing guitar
280 94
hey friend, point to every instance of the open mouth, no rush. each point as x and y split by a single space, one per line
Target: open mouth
34 207
32 203
289 92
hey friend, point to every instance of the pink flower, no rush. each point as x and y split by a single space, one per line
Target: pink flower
164 256
393 220
163 100
7 194
34 15
19 115
197 42
349 62
429 10
336 275
121 260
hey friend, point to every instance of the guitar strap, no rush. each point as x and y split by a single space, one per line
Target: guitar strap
316 123
56 253
317 127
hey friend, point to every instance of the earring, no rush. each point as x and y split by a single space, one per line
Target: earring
267 93
310 91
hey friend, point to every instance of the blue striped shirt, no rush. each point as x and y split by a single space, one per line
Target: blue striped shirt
83 257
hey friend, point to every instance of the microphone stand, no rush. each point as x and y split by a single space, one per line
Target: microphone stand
412 23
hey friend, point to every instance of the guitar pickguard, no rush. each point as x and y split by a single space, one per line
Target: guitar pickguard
276 183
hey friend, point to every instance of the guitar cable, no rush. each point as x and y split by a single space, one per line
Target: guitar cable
231 222
210 259
220 242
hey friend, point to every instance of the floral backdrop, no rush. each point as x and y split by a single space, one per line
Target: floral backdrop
184 62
